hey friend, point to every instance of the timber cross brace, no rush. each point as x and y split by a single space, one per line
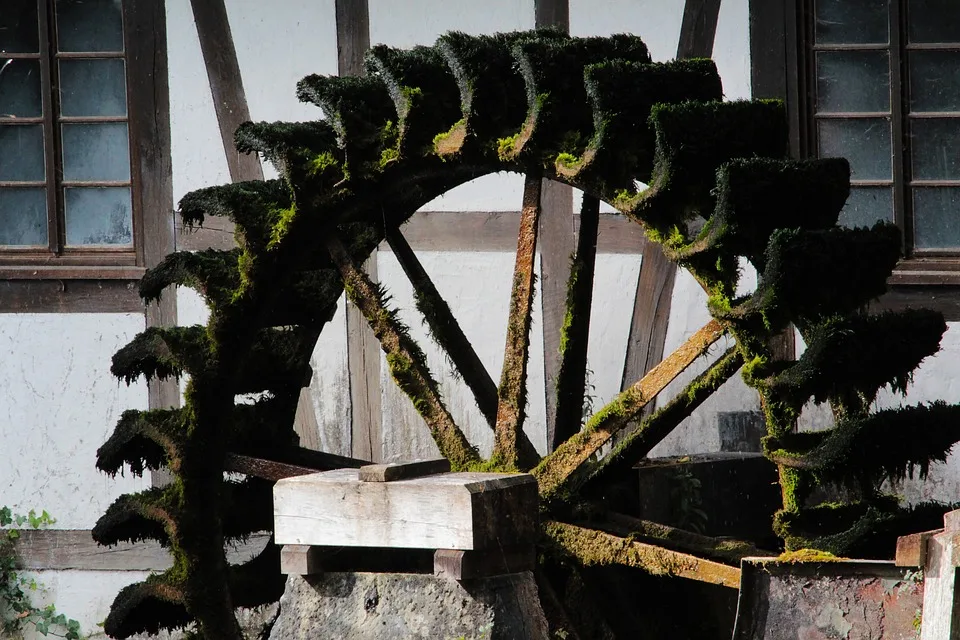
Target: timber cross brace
593 113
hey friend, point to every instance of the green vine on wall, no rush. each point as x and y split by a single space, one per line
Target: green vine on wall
17 611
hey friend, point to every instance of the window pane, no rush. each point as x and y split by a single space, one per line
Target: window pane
852 22
23 217
19 27
853 81
934 21
934 81
96 152
867 205
21 153
89 25
936 218
864 142
20 89
98 216
936 149
92 88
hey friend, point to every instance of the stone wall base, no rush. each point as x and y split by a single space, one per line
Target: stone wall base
364 606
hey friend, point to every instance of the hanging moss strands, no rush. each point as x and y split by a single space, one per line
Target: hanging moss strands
593 113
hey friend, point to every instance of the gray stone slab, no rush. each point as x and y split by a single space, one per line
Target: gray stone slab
388 606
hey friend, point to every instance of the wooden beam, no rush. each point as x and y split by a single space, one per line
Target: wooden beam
363 348
557 241
70 296
226 84
148 94
68 550
393 471
471 565
496 231
596 548
698 29
654 296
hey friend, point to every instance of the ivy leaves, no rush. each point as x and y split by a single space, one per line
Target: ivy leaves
17 610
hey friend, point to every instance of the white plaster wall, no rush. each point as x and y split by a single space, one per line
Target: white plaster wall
84 596
58 404
657 22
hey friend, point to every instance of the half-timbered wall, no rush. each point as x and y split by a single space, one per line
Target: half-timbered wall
58 402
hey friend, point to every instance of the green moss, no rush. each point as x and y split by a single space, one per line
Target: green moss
567 160
388 156
807 555
505 146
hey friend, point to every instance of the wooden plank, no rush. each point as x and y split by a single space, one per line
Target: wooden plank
148 94
945 299
69 296
511 410
266 469
300 560
496 231
403 470
912 549
353 35
596 548
470 565
446 511
556 244
363 348
768 62
226 84
64 550
698 29
552 13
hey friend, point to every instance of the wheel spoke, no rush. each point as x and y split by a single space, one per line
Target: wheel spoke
513 381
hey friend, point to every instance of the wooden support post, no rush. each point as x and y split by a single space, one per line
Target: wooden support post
469 565
941 607
300 560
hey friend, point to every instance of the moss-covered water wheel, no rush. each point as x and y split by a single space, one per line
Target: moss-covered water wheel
594 113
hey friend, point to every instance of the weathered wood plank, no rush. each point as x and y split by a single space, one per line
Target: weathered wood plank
66 549
698 29
403 470
226 84
470 565
148 94
496 231
912 549
511 410
363 348
447 511
70 296
596 548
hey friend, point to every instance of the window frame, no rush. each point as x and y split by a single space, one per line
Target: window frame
919 267
94 262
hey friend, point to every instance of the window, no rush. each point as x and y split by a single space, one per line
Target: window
882 85
66 190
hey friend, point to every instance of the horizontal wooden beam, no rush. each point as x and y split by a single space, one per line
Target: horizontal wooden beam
75 550
70 296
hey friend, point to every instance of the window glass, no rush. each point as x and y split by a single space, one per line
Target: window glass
936 148
92 88
865 142
21 153
934 20
19 27
23 216
936 217
96 152
89 25
20 89
853 81
866 206
934 80
98 216
852 22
